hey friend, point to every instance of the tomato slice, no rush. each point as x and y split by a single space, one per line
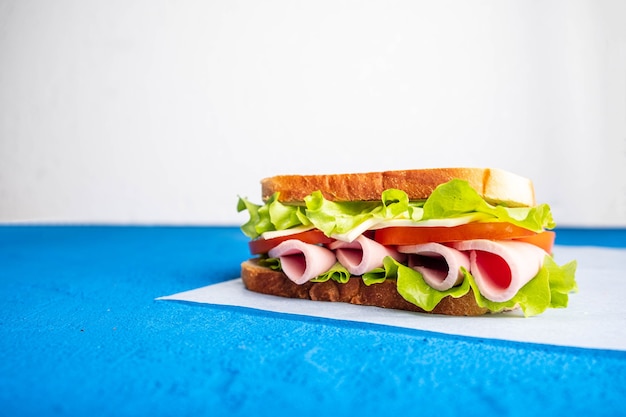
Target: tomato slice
314 236
417 235
545 240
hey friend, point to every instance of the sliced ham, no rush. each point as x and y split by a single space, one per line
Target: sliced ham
301 261
362 254
439 265
502 268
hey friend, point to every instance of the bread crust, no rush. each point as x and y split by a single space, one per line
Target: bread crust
264 280
494 185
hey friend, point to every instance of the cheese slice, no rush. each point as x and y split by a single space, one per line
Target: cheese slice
287 232
377 223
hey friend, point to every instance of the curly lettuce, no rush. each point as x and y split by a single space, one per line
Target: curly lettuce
453 199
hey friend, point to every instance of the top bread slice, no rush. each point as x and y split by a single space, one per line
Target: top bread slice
495 185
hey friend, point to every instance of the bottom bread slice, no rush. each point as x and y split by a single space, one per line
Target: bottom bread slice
267 281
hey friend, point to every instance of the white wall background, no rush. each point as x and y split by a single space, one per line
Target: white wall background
139 111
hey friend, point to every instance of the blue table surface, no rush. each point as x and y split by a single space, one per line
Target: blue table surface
81 333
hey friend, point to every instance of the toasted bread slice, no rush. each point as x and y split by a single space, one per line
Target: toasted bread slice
494 185
267 281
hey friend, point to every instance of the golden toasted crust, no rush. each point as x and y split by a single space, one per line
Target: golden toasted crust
266 281
495 185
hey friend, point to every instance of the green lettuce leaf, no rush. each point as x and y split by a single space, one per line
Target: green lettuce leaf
337 273
333 217
412 287
375 276
396 205
456 198
562 282
273 215
271 263
389 270
338 217
249 228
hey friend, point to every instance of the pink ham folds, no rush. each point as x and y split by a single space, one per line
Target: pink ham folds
362 254
301 261
502 268
439 265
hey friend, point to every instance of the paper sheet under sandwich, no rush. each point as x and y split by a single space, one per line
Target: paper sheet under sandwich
595 317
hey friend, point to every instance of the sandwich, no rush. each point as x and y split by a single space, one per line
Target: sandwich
452 241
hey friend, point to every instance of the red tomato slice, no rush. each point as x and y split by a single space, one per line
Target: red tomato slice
314 236
545 240
417 235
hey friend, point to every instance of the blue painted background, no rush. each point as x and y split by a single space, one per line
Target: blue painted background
80 334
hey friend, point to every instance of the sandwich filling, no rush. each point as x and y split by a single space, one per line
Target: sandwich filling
447 245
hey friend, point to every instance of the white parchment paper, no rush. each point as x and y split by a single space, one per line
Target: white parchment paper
595 318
